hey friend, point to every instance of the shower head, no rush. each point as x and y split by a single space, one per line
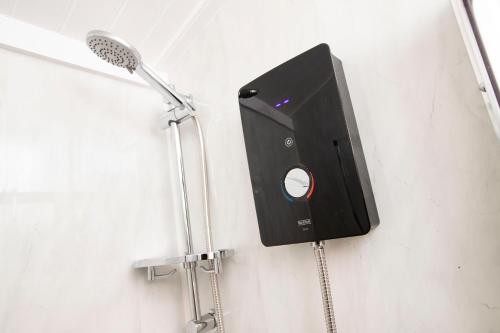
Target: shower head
118 52
114 50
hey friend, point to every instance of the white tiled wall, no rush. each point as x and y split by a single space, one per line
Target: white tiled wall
86 179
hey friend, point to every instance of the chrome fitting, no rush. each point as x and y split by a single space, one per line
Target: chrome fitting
206 324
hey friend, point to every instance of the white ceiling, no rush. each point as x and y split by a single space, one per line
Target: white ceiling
152 26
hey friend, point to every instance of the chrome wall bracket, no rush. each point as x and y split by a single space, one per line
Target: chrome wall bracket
164 267
206 324
175 113
155 273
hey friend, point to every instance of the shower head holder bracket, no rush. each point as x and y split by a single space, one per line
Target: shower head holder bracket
176 113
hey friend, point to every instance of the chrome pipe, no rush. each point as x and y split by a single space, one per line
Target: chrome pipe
192 280
206 207
182 184
168 93
193 294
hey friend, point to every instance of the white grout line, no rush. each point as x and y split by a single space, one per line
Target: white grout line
14 7
69 15
187 41
186 24
154 25
118 15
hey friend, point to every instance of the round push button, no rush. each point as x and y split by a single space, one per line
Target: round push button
298 183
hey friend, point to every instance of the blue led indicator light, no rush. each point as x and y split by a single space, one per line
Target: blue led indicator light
282 103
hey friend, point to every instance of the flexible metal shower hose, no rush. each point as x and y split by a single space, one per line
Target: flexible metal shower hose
214 281
326 293
219 319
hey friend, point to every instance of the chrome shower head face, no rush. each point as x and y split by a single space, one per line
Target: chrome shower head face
114 50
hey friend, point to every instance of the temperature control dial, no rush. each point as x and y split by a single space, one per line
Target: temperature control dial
298 183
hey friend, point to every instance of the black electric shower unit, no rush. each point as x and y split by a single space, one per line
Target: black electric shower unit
308 172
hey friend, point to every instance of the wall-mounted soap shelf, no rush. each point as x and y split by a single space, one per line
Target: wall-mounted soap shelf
164 267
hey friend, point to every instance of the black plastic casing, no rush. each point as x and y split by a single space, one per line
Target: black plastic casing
319 119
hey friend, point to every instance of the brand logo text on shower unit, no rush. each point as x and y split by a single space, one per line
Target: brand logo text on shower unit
304 222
